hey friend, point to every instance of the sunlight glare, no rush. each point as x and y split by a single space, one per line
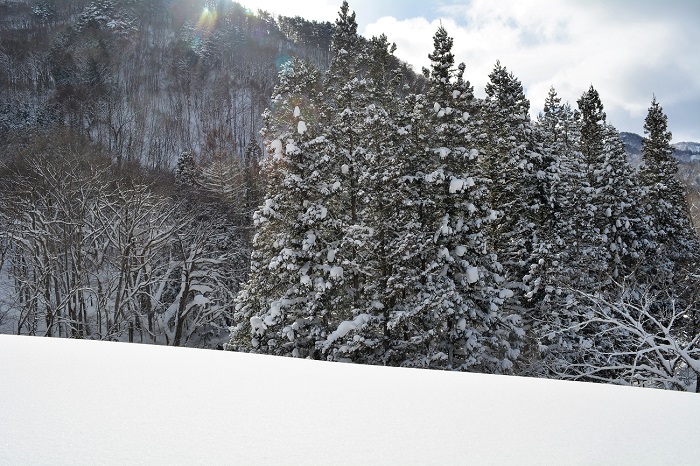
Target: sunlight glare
318 10
207 21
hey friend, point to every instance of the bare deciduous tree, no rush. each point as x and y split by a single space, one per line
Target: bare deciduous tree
654 341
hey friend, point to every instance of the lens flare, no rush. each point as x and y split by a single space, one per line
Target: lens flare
206 22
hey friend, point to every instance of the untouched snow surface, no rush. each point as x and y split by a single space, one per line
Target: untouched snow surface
85 402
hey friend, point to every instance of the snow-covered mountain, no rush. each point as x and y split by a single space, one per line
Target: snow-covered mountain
633 147
685 152
632 141
693 147
87 402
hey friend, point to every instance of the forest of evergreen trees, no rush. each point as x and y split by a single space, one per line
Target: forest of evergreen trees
439 230
379 217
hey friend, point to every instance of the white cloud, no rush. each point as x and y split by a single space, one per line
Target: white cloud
627 56
317 10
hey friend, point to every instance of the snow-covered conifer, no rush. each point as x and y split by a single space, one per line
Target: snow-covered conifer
612 247
282 310
593 253
186 171
553 266
512 164
664 197
622 226
371 234
454 319
344 111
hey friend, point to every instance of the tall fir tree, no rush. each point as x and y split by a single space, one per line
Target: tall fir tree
553 266
671 234
590 245
409 236
456 320
614 244
511 162
283 309
345 98
367 337
622 221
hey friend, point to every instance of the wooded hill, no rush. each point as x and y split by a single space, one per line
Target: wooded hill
99 100
379 216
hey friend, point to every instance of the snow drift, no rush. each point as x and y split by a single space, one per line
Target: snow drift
85 402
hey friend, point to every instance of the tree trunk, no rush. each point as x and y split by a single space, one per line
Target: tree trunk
179 325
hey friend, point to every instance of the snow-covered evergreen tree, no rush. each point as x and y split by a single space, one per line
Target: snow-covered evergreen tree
664 198
401 197
463 274
347 114
593 253
346 98
622 226
613 246
186 171
283 308
370 236
511 163
553 269
556 180
452 318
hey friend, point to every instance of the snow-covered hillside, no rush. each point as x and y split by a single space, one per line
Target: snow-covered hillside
633 147
85 402
693 147
685 152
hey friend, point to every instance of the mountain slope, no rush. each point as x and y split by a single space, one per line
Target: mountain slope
147 80
685 152
83 402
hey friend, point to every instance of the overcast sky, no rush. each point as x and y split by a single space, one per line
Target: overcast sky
628 50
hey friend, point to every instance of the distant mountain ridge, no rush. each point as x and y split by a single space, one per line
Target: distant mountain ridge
685 152
691 150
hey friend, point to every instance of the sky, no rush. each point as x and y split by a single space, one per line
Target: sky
629 50
77 402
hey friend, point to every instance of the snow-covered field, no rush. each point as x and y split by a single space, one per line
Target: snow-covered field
84 402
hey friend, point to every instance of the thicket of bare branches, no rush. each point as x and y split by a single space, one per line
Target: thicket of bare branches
93 251
639 336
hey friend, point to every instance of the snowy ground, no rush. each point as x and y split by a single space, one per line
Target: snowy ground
83 402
